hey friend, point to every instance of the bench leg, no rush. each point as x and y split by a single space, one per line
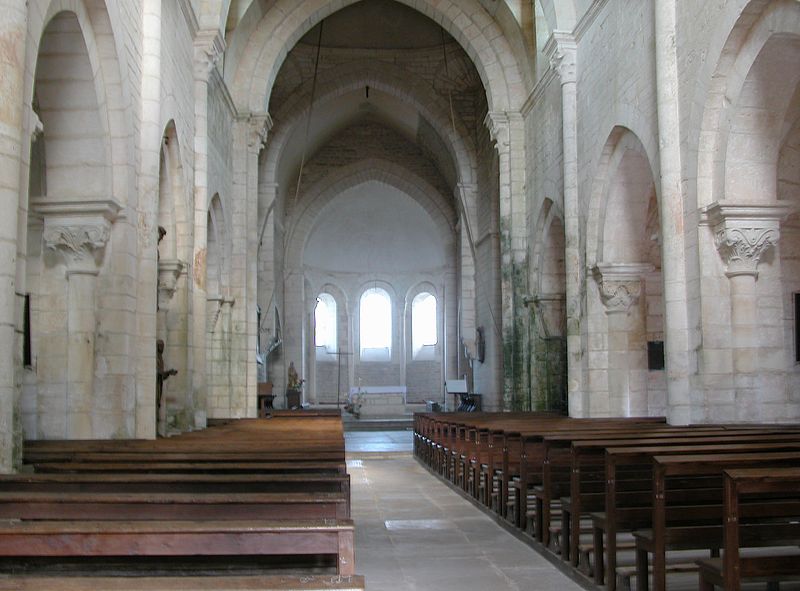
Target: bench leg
642 573
599 558
347 555
566 533
705 585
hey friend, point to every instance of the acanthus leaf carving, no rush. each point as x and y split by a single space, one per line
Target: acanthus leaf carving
742 248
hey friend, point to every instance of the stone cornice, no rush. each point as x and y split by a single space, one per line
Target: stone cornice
588 18
536 94
219 80
191 17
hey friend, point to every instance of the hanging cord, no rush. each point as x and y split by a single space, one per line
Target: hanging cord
310 111
449 90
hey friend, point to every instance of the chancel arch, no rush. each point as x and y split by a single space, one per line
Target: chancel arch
268 44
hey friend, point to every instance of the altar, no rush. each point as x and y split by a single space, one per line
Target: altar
379 401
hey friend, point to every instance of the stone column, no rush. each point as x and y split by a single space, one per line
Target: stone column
147 211
258 127
744 235
79 232
620 287
679 355
507 131
12 70
562 50
209 46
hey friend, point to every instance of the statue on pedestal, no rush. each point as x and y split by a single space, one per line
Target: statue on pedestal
161 376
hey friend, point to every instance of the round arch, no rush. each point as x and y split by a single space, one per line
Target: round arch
102 48
759 22
620 141
287 21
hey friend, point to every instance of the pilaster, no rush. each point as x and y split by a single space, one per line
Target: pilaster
507 132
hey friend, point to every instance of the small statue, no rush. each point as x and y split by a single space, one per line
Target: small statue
161 373
293 382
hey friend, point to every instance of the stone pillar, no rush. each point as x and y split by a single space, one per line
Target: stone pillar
79 232
620 288
147 211
744 235
258 126
562 50
13 30
209 46
507 131
679 355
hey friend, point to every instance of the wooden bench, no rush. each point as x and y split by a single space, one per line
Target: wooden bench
607 528
729 571
702 464
180 583
129 506
58 539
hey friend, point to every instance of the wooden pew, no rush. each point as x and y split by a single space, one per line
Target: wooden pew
590 452
128 506
109 467
729 571
705 464
608 524
54 539
271 487
180 583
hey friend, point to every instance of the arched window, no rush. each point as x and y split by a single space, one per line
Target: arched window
375 320
325 324
423 325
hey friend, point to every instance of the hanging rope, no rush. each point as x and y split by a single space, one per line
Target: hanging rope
310 111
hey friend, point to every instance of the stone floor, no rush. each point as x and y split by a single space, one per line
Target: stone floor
414 533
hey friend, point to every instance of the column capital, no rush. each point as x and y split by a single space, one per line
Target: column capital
209 46
500 124
744 233
258 128
620 284
168 272
562 51
78 230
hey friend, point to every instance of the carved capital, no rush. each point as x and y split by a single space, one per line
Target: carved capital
168 272
497 123
209 47
562 51
620 285
259 125
77 230
745 234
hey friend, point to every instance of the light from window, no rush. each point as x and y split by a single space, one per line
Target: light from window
325 323
375 318
423 324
